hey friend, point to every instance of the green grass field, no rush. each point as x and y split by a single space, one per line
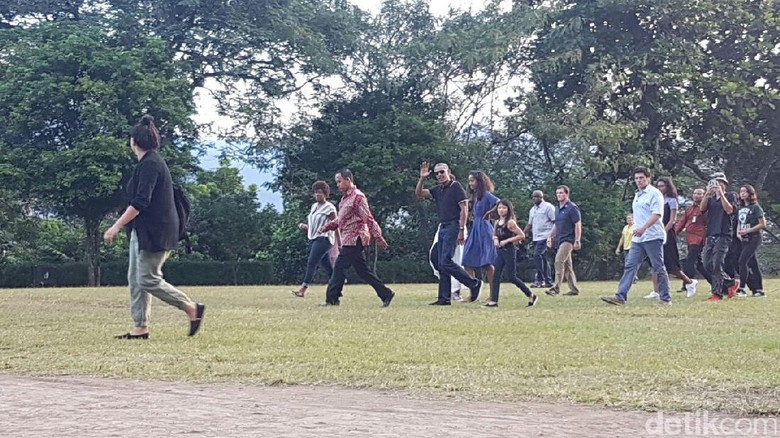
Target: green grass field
695 355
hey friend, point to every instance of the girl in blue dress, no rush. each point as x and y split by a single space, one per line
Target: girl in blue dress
479 251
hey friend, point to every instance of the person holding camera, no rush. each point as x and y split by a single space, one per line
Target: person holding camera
719 206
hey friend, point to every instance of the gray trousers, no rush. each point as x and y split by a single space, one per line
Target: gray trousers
144 276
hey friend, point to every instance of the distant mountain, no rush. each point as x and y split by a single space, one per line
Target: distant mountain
251 175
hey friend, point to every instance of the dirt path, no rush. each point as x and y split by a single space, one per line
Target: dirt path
80 406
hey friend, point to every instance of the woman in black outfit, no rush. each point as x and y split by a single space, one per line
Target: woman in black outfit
154 225
507 234
750 222
671 253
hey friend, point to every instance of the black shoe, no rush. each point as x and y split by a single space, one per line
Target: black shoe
490 305
440 303
759 294
532 301
547 285
571 294
386 302
327 304
475 291
551 292
129 336
615 301
195 323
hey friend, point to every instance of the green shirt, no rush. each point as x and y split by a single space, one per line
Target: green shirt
749 215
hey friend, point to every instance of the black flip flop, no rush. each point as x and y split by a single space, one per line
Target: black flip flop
195 323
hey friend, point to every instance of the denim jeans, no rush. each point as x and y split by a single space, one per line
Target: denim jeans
542 264
653 250
448 241
319 254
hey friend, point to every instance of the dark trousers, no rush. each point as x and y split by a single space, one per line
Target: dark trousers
354 256
694 263
543 269
448 241
506 263
319 254
749 272
714 258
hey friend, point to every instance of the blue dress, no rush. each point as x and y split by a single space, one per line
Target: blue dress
479 250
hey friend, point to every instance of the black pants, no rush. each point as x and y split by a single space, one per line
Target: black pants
353 256
506 263
749 272
714 259
694 264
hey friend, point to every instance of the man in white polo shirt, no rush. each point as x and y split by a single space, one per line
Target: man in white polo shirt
541 219
648 240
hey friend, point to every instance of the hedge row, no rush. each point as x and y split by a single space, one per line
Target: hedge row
195 273
207 273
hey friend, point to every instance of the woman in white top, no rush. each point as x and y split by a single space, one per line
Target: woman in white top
321 212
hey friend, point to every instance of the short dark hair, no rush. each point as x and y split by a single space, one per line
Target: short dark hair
566 189
346 174
321 186
145 135
644 170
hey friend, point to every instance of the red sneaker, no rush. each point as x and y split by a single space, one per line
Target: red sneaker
733 289
714 297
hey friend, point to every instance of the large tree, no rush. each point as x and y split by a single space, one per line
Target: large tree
68 95
686 86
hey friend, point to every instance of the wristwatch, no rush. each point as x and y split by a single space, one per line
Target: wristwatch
462 228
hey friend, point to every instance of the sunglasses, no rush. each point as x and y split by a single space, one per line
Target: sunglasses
440 172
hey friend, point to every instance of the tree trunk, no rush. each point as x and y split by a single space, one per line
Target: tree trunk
92 228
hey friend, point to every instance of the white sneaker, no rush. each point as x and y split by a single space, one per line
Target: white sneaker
653 295
456 296
691 288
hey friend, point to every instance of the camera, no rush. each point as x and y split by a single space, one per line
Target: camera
713 182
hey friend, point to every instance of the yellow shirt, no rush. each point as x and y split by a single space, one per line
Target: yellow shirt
628 234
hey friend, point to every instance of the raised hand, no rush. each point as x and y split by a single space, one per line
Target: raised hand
425 169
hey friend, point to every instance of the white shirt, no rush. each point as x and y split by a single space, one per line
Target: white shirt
542 218
646 203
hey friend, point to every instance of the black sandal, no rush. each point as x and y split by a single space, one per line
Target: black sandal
195 323
128 335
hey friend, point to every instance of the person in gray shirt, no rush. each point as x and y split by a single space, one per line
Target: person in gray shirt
541 219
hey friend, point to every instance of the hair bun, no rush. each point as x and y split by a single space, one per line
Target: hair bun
147 120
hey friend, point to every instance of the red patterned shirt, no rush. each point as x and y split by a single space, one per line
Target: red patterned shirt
694 222
354 220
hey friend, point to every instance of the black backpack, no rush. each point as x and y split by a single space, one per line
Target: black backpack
183 211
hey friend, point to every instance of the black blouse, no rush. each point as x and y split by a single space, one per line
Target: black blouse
151 193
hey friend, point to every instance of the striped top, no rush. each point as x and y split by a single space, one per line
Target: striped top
318 217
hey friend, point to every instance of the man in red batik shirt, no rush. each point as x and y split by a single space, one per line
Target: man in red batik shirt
356 225
694 223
